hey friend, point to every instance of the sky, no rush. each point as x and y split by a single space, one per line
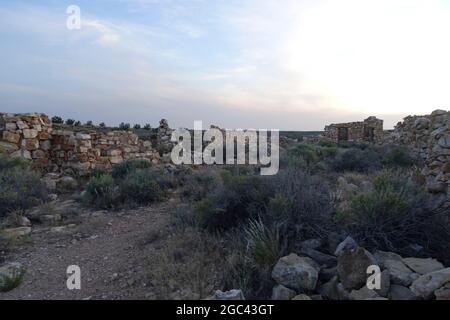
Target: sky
273 64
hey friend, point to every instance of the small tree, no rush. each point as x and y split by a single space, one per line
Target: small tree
147 126
57 119
137 126
89 123
102 125
77 123
124 126
70 122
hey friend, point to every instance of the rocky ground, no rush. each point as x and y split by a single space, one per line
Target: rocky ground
113 249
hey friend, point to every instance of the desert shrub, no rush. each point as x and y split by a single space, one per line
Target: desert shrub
327 144
8 283
97 172
237 199
198 184
394 215
353 145
355 159
7 162
264 243
396 156
300 205
239 267
121 170
20 188
141 187
305 151
101 192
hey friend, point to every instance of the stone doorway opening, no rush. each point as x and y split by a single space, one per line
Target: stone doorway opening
369 133
342 134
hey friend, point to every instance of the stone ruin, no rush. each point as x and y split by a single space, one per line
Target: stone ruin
429 138
31 136
370 130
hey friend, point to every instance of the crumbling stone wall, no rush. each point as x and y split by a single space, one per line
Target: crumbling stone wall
83 152
26 135
428 137
371 130
31 136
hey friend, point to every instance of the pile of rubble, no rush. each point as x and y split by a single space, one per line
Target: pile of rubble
429 138
314 274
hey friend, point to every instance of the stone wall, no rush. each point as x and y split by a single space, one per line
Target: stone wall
26 135
31 136
371 129
83 152
428 137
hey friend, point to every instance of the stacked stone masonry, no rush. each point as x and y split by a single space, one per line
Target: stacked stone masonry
428 137
371 129
31 136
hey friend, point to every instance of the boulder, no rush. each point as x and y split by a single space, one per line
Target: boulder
234 294
326 274
443 293
301 297
382 256
363 294
294 272
423 266
321 258
280 292
385 284
426 284
400 273
352 267
347 245
398 292
333 290
10 276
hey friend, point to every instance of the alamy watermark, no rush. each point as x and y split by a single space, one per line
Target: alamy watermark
238 145
73 21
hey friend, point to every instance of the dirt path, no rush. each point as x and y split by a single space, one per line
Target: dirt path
113 255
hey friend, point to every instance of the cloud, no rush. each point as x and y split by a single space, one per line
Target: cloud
107 35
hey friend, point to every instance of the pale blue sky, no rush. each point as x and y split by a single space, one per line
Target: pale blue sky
286 64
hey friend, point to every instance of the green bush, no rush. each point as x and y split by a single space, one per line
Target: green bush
305 151
238 199
101 192
396 156
121 170
300 204
7 162
394 215
141 187
264 244
355 159
197 185
20 188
